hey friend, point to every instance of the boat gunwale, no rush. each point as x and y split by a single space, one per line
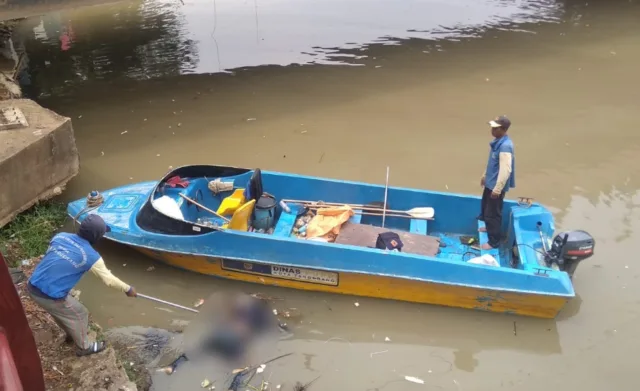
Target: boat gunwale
335 180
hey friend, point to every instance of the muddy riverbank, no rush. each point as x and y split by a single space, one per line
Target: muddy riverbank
137 82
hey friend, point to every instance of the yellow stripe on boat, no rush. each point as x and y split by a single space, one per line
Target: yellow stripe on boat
383 287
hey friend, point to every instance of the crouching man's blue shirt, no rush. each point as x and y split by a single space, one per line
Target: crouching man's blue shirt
68 257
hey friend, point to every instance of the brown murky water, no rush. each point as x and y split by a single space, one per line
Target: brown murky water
354 87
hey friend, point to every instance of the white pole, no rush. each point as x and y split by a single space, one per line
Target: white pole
384 209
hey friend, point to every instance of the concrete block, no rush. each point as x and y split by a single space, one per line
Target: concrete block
36 161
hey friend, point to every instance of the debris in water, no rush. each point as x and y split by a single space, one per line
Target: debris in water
374 353
626 267
251 119
167 370
290 313
278 386
179 124
205 383
300 387
150 268
487 79
275 312
198 303
613 53
80 116
262 296
238 370
414 379
378 66
356 304
261 368
102 152
158 155
125 132
124 264
144 119
387 339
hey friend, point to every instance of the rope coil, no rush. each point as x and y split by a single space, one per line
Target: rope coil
93 200
217 186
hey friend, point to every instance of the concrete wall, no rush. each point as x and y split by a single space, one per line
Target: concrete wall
35 162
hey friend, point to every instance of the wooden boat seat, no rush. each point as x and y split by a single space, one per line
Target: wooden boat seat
366 235
231 203
240 219
418 226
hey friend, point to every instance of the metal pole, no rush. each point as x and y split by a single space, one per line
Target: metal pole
386 186
167 302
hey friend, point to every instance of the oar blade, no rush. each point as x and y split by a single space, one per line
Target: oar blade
422 212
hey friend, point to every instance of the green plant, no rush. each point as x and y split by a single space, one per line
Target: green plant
28 235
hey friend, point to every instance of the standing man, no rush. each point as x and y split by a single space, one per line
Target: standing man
498 178
67 259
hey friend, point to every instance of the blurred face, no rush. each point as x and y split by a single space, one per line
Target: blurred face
497 132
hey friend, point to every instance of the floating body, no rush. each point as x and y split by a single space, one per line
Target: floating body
432 266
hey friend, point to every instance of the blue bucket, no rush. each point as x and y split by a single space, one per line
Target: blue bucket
264 215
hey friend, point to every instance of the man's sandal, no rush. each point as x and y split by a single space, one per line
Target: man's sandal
95 347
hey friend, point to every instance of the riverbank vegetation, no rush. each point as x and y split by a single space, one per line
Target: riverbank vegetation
28 235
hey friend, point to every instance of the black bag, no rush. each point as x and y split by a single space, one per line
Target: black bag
389 241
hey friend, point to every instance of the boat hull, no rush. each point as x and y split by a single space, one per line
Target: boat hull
368 285
433 266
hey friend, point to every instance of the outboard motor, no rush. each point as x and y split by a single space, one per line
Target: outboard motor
568 249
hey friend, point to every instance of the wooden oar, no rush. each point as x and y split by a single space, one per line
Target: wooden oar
421 213
353 206
203 207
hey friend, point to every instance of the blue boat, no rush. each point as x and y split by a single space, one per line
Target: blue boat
234 223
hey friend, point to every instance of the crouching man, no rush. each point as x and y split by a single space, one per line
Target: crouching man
67 259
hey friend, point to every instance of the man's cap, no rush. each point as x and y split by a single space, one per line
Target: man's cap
93 228
500 122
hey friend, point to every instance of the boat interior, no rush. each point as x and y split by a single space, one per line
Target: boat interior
259 203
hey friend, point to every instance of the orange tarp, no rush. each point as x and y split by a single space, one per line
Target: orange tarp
328 221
